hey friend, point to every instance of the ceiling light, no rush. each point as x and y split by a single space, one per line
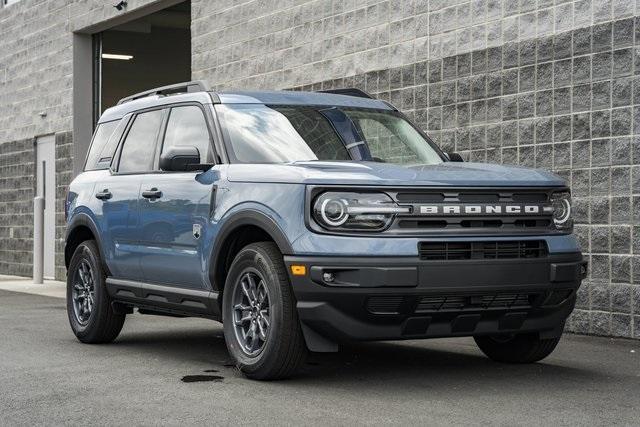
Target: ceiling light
115 56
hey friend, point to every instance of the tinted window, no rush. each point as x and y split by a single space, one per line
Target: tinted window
101 150
187 126
139 146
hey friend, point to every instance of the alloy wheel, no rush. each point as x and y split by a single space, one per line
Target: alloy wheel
83 292
251 312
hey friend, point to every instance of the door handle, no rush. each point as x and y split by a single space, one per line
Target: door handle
152 194
104 195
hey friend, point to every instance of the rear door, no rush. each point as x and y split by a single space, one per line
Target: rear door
118 195
175 207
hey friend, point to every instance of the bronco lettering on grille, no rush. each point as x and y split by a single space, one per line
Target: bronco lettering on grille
482 209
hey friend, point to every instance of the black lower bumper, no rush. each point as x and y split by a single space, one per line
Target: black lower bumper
366 298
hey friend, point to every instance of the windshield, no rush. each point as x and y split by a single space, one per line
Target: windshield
259 133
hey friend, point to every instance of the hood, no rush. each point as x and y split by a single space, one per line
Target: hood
373 173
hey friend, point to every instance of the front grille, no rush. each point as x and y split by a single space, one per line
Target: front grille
472 196
487 213
506 249
507 223
385 304
421 304
440 303
456 302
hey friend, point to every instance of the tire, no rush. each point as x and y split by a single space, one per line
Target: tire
283 350
522 348
101 324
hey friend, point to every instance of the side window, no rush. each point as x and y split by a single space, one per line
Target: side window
187 126
102 148
139 146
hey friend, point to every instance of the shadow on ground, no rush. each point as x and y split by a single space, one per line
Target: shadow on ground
402 362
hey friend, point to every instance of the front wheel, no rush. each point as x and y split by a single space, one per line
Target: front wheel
521 348
91 315
261 326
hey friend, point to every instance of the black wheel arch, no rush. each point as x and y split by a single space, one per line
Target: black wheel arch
247 226
82 228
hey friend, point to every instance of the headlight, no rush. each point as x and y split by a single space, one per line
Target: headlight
561 203
355 211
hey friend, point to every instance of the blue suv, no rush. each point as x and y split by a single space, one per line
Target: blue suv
303 220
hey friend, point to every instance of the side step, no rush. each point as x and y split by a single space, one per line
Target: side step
179 301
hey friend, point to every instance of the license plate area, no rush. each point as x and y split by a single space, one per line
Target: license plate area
445 275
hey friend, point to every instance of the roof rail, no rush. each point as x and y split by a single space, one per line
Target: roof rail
193 86
350 91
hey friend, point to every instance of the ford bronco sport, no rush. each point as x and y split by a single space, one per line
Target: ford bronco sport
303 220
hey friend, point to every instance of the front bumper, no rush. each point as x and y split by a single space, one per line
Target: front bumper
371 298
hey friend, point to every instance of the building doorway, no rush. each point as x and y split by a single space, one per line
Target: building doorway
150 51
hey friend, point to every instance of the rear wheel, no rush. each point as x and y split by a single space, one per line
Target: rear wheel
521 348
261 324
89 309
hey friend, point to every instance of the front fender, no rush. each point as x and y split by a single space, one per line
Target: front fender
243 215
263 217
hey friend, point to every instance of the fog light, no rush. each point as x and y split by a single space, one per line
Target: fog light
328 277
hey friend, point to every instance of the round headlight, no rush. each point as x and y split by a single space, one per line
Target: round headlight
561 211
335 210
561 203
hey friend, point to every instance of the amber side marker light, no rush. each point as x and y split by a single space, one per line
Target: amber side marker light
298 270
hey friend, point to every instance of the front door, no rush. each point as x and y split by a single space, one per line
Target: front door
175 207
46 188
172 226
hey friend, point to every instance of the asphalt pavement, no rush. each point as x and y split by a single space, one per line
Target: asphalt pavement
177 372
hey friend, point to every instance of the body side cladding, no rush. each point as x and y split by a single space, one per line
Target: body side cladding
166 299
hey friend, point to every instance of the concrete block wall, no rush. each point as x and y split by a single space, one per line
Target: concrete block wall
36 62
36 77
544 83
17 189
548 84
64 175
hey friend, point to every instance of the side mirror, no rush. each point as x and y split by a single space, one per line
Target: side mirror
455 157
180 158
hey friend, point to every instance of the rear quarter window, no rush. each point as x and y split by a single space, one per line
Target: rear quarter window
103 146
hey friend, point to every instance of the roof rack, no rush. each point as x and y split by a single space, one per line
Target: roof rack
350 91
185 87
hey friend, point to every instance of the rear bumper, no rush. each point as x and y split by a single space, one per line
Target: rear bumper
371 298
